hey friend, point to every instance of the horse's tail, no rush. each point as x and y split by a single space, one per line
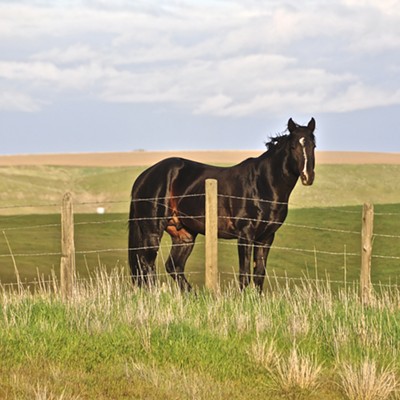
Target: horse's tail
134 241
148 217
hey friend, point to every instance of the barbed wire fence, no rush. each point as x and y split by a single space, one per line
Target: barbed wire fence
365 282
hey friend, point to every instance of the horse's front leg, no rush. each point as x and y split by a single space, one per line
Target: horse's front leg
245 248
261 251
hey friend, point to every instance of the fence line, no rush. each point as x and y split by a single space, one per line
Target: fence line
297 250
30 254
225 243
345 211
53 281
387 236
172 245
16 228
268 277
92 203
168 246
320 228
253 200
193 217
289 249
386 257
289 224
152 199
80 203
273 276
161 246
148 199
30 206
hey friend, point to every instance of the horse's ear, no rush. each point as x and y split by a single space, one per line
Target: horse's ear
291 125
311 125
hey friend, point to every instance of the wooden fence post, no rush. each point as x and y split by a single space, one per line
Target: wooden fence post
366 252
67 268
211 249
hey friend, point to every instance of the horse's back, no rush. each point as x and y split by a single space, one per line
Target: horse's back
161 178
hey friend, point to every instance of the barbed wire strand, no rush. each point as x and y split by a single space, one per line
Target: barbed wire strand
31 227
294 249
155 247
30 206
146 199
269 278
52 281
152 199
386 214
386 236
196 217
226 243
291 225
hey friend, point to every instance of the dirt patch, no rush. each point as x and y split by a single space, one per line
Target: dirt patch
139 158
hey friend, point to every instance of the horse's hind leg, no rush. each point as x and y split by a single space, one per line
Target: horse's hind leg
261 251
182 246
144 259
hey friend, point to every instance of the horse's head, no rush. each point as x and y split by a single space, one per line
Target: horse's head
302 142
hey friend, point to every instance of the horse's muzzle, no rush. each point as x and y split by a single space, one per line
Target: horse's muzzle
307 179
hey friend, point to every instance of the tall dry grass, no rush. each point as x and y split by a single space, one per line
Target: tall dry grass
365 381
297 341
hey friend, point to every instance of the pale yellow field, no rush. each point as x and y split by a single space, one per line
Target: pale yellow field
139 158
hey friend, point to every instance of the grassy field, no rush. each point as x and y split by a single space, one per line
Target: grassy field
113 342
311 340
299 249
335 185
333 204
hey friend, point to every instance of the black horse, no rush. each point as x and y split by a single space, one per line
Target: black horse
252 204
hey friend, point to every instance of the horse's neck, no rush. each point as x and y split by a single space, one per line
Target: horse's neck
276 170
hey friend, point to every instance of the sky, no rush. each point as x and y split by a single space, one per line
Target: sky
119 75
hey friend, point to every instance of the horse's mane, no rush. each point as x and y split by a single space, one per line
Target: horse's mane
275 142
280 140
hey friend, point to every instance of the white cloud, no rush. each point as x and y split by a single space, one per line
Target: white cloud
14 101
363 97
388 7
46 75
71 54
214 105
219 58
28 71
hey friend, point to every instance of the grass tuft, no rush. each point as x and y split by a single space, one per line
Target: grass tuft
296 376
365 381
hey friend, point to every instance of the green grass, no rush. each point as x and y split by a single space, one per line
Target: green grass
111 341
335 185
311 340
334 201
22 187
298 251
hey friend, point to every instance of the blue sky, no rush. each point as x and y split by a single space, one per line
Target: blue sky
96 75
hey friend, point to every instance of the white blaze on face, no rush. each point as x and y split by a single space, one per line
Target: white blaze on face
303 145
